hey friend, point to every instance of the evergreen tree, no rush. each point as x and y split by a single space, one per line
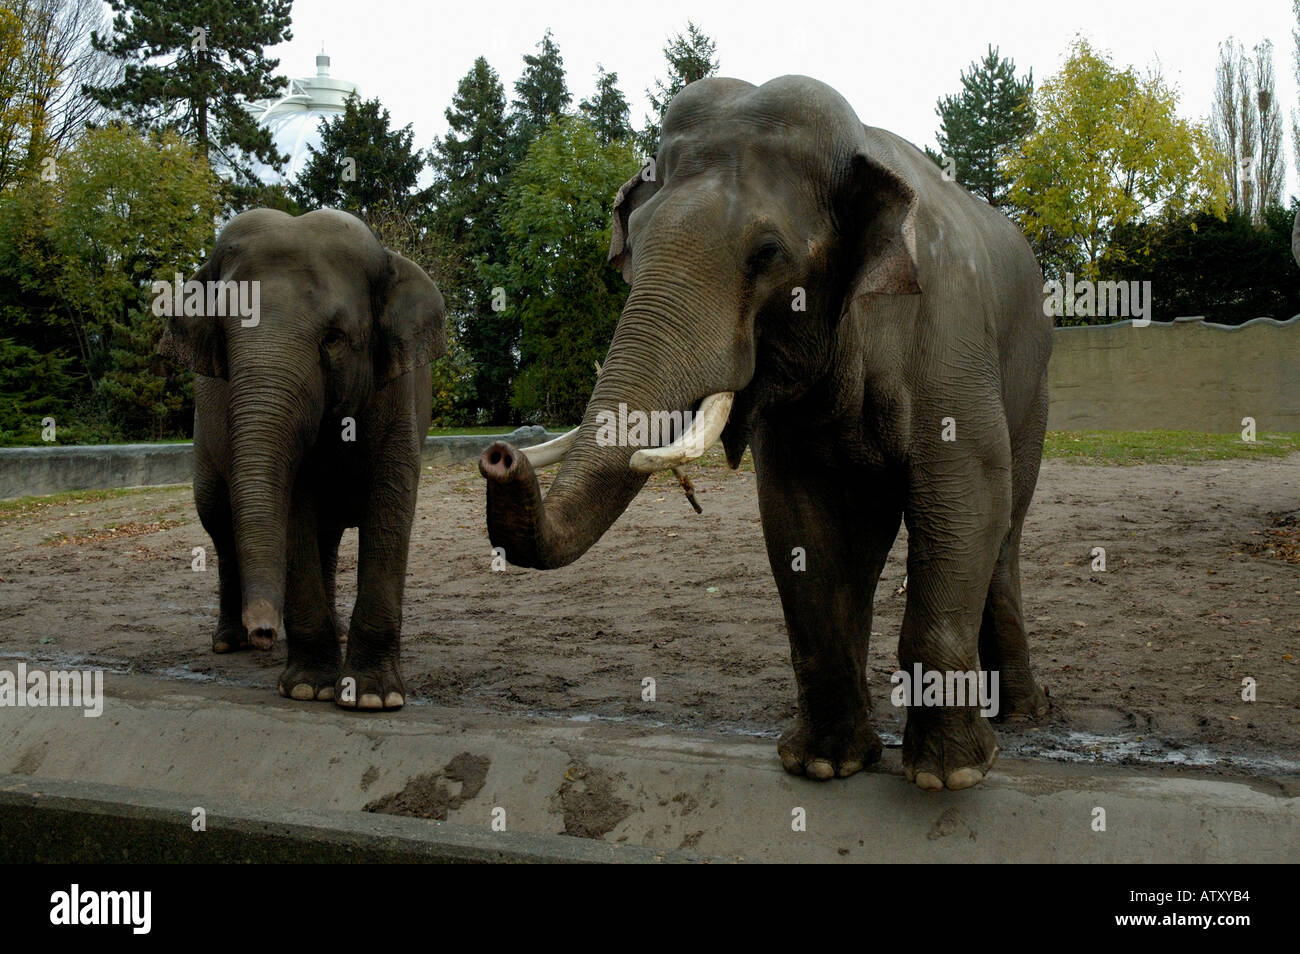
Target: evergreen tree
470 165
191 65
362 164
607 110
33 385
982 125
541 95
690 58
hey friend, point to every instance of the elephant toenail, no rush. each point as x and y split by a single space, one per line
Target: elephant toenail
964 778
928 781
394 700
303 692
820 769
370 700
849 768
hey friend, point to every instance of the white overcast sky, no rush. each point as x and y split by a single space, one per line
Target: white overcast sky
892 61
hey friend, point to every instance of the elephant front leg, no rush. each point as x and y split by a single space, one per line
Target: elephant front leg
827 548
212 500
370 678
313 664
955 529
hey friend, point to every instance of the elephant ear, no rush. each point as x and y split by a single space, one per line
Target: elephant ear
410 330
884 207
633 193
196 341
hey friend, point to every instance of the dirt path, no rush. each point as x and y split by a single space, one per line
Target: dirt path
1143 662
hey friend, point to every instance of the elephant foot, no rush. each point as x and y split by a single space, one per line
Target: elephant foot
1021 699
229 638
947 748
827 755
309 681
371 689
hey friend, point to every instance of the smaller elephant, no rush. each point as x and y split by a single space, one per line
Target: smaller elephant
310 414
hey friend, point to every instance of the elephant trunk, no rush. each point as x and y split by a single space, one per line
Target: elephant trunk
270 427
657 363
554 532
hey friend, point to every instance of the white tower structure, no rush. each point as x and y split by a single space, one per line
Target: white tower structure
294 118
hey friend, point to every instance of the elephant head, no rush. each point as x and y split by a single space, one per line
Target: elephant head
763 220
338 319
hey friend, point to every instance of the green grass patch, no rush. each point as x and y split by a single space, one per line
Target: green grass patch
1123 448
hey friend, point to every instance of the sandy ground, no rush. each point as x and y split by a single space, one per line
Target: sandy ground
1143 663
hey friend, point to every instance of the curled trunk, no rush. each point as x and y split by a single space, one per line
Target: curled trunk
655 363
555 532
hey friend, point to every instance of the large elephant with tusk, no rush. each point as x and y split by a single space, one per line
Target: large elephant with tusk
816 290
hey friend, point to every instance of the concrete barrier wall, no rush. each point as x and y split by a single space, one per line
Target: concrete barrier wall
50 470
1185 375
34 471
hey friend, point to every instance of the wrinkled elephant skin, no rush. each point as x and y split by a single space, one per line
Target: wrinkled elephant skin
884 336
309 418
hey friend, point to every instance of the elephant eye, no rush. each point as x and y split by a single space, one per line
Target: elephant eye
766 255
333 337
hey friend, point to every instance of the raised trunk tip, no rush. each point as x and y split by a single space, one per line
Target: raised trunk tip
515 514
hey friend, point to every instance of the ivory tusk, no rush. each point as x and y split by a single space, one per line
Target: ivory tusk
706 427
552 452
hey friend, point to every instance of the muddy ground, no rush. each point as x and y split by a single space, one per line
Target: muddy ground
1143 663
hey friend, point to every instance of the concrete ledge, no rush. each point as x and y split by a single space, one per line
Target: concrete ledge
47 821
35 471
260 765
